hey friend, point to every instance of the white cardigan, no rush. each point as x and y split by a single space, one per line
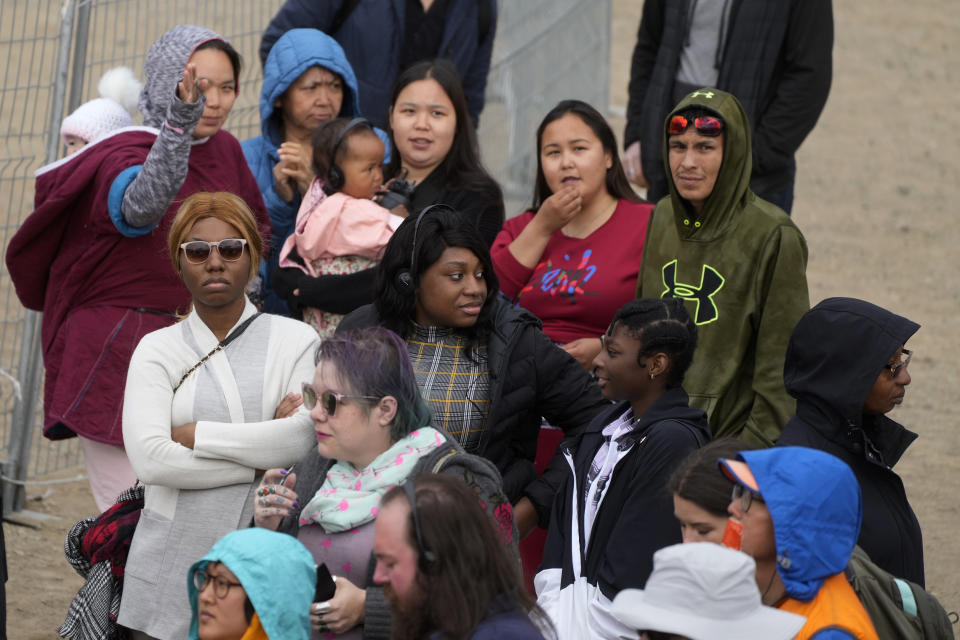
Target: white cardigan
194 497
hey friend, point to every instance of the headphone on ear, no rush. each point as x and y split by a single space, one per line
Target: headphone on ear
426 559
405 278
335 177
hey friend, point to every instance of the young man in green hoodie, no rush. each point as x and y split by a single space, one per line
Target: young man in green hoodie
737 261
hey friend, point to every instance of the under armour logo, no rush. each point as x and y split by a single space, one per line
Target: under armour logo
710 283
706 94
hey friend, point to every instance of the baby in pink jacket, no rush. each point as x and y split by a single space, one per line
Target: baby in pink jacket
340 229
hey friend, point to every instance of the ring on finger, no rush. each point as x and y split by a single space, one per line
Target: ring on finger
320 608
322 628
264 502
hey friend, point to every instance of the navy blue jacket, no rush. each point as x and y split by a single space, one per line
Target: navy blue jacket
372 36
293 54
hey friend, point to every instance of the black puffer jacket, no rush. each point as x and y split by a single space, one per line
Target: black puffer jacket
530 377
836 352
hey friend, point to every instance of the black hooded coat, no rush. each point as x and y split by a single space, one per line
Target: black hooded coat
836 352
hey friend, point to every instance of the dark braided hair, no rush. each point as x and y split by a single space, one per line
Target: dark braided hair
662 325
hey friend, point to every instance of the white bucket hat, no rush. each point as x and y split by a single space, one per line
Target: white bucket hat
704 591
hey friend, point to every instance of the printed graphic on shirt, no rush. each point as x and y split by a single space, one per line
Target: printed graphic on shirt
710 283
563 280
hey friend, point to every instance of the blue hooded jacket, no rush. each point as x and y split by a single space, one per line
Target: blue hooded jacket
814 502
295 52
276 571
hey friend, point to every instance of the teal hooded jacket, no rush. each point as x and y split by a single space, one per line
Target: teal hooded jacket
276 571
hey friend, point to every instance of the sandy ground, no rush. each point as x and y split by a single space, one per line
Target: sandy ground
875 180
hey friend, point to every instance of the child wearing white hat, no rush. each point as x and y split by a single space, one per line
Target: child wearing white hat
703 591
119 90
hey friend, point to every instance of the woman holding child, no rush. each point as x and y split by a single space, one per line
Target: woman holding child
208 402
435 148
307 81
86 256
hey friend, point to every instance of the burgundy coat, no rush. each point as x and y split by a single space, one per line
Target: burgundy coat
101 291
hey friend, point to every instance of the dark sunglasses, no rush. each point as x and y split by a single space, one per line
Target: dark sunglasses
197 251
328 399
705 126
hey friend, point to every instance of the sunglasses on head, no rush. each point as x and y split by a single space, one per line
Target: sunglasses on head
328 399
197 251
705 125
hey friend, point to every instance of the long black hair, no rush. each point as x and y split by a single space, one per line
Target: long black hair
440 229
461 168
662 325
616 181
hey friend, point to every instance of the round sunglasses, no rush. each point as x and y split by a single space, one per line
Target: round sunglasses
328 399
197 251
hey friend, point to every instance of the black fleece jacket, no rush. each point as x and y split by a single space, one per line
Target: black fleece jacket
836 352
530 377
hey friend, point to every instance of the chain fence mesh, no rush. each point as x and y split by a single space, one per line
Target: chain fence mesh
54 53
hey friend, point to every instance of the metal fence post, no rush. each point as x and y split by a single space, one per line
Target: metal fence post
31 361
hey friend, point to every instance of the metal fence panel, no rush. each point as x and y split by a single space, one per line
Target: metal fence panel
545 51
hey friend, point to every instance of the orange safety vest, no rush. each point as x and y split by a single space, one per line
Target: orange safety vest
836 606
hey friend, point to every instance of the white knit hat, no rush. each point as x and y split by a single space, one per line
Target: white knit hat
704 591
119 90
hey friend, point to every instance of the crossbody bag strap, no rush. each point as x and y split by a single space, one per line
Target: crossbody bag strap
220 347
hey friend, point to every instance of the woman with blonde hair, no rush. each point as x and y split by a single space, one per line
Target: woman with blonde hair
208 402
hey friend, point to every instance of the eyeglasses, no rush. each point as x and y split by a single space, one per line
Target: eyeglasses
221 586
328 399
894 368
197 251
705 126
745 496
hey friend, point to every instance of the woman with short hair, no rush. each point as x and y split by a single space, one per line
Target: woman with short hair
208 402
612 513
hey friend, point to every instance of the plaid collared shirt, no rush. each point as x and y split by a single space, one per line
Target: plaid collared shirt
454 379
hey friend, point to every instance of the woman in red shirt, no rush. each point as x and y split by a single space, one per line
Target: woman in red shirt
573 258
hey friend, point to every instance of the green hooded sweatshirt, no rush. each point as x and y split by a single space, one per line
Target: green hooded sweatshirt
741 268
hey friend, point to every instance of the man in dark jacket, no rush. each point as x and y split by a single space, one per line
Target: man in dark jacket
775 57
383 37
847 366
